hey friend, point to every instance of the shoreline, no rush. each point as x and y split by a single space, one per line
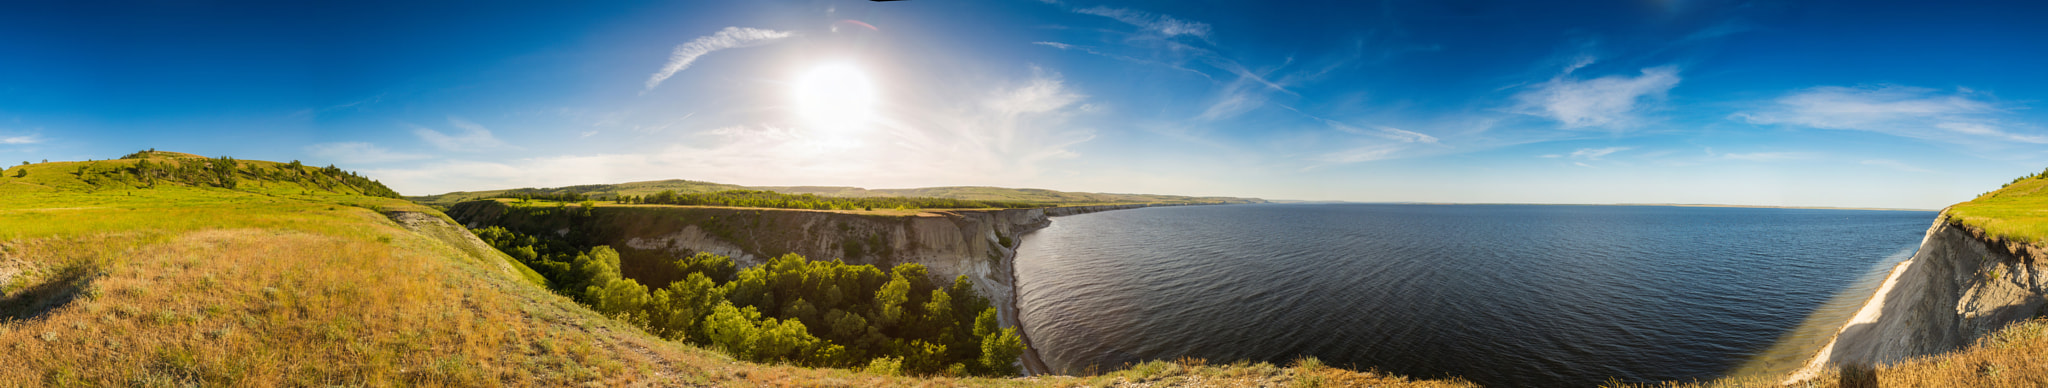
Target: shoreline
1618 204
1034 364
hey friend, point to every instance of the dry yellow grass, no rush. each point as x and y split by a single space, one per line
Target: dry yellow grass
267 307
2016 356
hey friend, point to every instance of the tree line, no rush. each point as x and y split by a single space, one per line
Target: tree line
770 199
791 309
223 172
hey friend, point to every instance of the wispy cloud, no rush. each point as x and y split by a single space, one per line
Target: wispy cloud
1768 156
1236 98
474 137
1392 143
358 152
1596 153
730 37
1363 154
1382 131
23 139
1610 101
1895 165
1126 58
1162 24
1961 116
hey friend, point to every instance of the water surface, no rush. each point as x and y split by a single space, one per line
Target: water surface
1503 295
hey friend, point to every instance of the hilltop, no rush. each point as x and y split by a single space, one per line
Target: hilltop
169 269
962 193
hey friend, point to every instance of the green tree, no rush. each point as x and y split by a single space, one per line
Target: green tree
622 298
599 267
999 352
677 311
716 267
923 357
748 336
889 300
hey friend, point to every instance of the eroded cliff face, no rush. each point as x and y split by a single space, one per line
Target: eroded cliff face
1958 287
978 243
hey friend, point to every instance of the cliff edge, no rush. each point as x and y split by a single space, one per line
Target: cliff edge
978 243
1962 284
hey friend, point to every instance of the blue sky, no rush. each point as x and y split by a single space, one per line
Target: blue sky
1872 104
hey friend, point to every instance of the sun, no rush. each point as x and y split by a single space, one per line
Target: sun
834 97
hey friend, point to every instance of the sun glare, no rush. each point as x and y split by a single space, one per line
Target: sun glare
834 97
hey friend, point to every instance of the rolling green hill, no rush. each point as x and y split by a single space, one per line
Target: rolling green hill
966 193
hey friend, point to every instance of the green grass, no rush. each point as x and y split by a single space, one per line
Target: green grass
2018 212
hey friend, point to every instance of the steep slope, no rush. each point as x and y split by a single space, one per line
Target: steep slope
979 244
278 282
1976 274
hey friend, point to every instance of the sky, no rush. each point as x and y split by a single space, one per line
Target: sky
1778 103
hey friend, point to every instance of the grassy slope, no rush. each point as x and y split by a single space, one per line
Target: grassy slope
962 193
2018 212
278 284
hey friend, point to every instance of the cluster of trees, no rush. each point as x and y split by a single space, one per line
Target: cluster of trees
223 172
791 309
770 199
2028 176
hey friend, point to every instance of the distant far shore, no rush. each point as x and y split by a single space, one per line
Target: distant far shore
1611 204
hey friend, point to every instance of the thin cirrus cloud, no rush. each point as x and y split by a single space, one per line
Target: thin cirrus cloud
1768 156
359 152
1162 24
473 138
1589 153
730 37
1961 116
1393 142
1611 101
1596 153
24 139
1895 165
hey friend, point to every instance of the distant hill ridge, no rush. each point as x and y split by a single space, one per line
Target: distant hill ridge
966 193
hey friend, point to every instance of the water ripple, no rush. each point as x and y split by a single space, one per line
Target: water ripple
1503 295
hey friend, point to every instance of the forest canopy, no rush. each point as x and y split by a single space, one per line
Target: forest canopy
791 309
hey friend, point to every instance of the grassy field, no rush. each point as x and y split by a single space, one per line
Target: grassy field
283 283
967 193
2017 212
